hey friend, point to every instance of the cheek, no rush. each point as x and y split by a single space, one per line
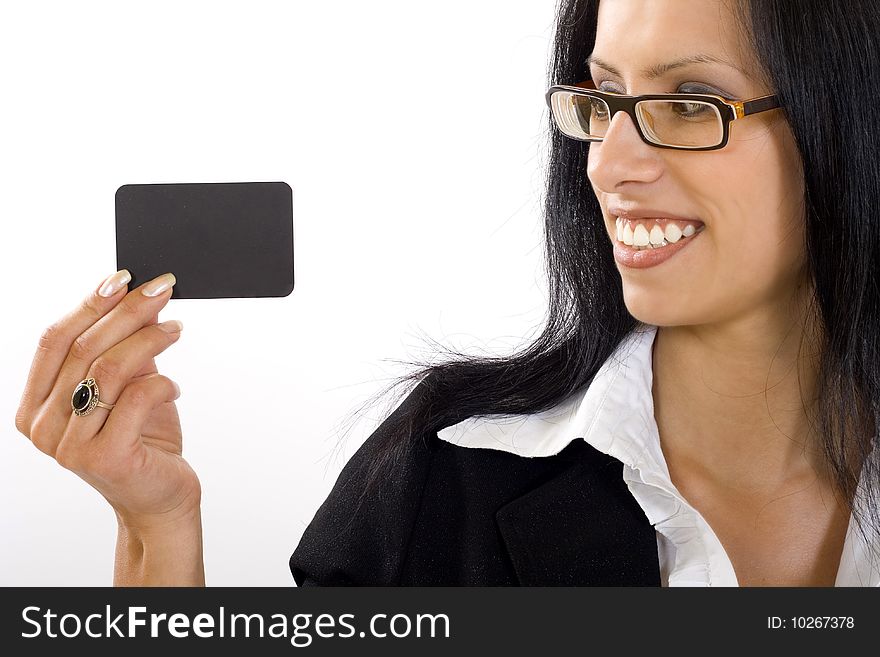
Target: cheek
757 243
763 257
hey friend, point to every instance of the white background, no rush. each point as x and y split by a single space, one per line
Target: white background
420 220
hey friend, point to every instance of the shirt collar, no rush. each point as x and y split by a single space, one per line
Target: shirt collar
614 413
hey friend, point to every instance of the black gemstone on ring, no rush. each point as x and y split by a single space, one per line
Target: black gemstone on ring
82 396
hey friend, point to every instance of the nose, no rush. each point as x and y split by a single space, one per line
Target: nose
622 156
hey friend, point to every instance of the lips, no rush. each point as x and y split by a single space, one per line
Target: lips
651 213
646 258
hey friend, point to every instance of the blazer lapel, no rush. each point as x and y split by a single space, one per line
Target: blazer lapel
581 528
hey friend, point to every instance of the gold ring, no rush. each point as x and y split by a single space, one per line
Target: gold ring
85 398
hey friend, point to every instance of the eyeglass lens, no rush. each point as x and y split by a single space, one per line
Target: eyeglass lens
689 124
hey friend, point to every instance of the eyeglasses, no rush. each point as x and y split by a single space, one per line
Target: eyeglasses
695 122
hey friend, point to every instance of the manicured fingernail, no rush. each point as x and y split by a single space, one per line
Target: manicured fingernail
159 284
171 326
114 283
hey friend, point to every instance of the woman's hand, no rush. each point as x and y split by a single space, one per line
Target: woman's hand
132 453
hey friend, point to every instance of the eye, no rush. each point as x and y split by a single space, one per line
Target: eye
691 110
601 88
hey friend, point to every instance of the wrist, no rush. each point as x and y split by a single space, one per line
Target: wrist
143 526
160 551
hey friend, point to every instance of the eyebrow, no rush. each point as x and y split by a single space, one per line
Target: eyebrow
657 70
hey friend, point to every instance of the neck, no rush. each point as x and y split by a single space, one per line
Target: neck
734 400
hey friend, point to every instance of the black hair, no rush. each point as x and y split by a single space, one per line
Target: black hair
822 58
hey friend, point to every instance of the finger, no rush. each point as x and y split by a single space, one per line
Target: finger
136 403
43 430
109 455
116 368
150 366
131 359
130 314
55 344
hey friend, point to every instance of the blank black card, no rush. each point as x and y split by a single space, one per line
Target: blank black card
220 240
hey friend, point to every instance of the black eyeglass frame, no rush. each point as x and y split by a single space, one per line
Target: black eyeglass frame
730 110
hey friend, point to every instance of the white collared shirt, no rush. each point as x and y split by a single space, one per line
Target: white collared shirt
615 414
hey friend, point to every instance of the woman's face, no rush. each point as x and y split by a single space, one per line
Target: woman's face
749 258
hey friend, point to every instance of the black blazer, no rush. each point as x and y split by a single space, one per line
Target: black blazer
472 516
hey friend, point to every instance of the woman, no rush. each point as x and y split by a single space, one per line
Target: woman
724 261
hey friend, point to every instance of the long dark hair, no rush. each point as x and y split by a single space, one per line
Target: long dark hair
822 58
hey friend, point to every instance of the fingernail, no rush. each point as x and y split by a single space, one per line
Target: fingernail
159 284
114 283
176 389
171 326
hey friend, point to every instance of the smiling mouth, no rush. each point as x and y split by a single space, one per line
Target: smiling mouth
655 232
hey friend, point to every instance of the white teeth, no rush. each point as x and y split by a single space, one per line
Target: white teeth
640 236
673 233
656 235
656 238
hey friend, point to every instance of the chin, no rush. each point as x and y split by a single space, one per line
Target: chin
648 308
